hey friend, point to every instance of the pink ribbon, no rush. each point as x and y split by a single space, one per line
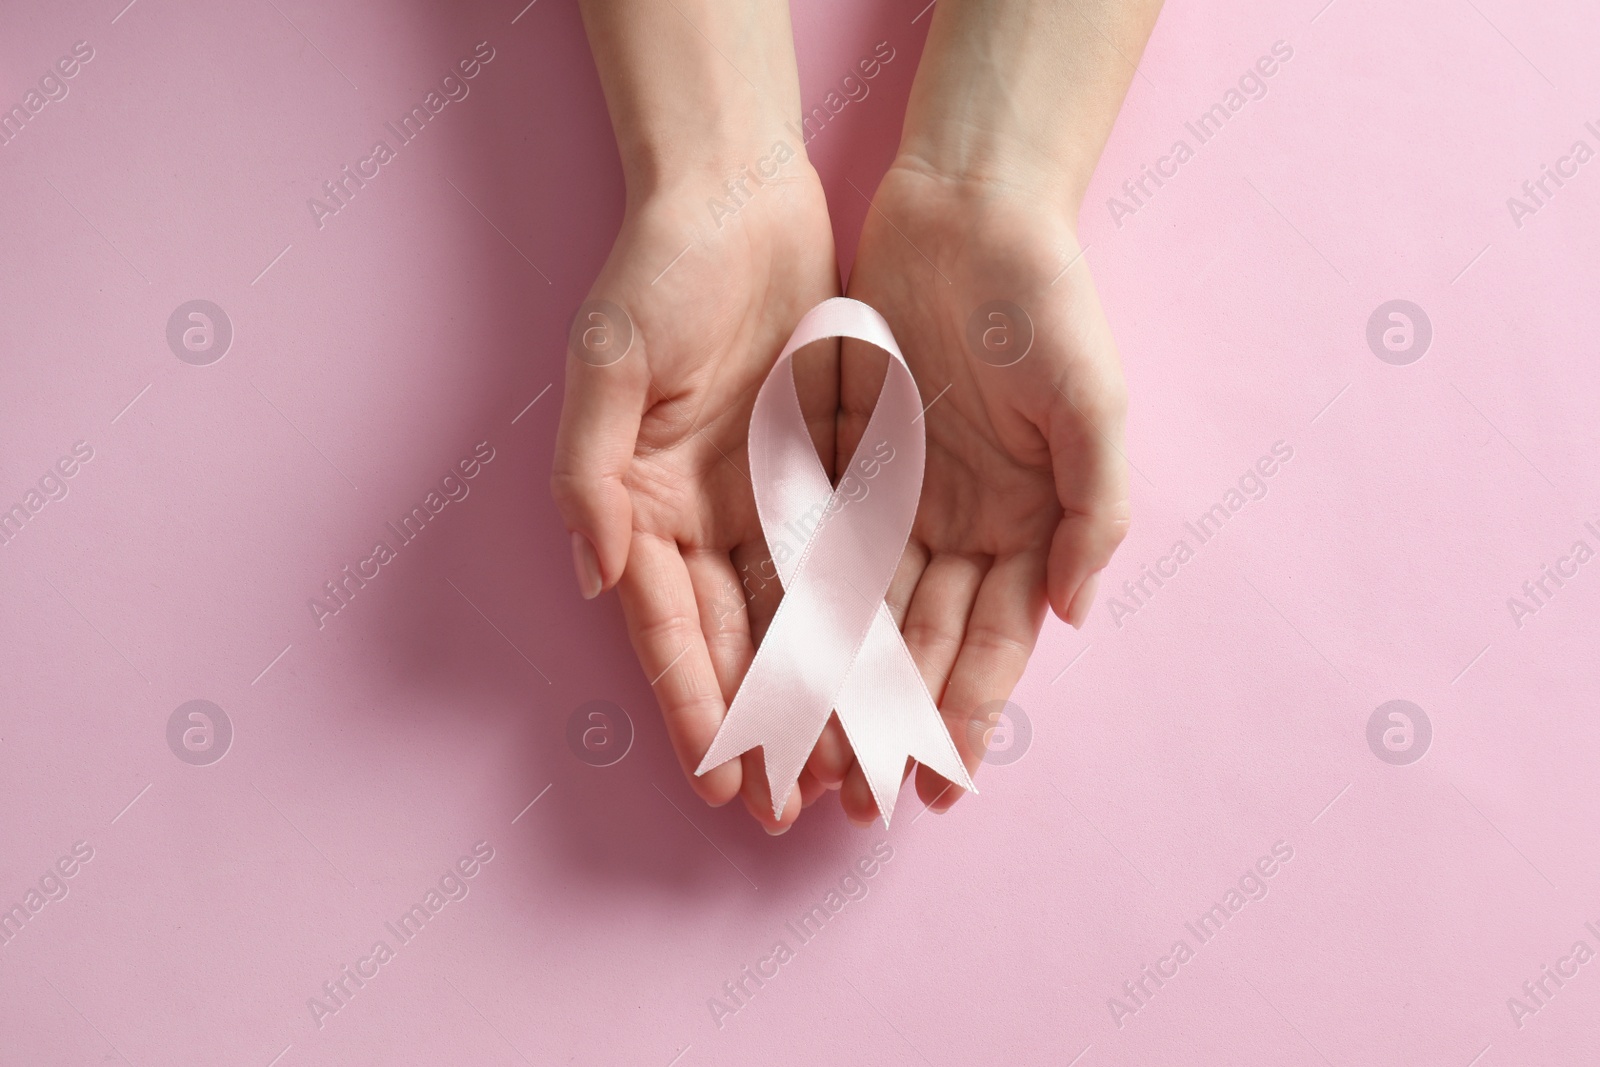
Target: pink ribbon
833 645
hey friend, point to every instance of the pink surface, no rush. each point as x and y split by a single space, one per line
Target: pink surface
1176 741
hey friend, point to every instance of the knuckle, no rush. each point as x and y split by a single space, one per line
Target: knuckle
570 488
996 645
1114 520
1106 405
665 638
931 640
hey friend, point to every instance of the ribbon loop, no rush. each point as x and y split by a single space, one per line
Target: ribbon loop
832 645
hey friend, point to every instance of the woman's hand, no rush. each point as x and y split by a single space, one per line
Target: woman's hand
725 244
970 251
651 472
1025 496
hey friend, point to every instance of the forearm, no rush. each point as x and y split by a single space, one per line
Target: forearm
694 87
1024 92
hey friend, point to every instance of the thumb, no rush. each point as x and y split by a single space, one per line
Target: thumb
605 386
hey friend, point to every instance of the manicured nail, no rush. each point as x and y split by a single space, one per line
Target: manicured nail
777 831
587 564
860 824
1078 613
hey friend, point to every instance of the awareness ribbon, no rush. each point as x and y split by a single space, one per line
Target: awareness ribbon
833 645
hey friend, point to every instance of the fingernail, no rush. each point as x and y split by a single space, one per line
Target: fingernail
587 564
777 831
860 824
1078 613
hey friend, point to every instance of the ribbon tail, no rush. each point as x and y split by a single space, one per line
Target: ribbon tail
888 716
785 735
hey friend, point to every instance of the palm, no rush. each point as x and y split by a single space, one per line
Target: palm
1024 492
706 335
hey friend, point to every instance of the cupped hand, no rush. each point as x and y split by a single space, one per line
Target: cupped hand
651 473
1025 495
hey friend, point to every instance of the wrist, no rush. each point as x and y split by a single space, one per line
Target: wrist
1021 93
976 185
1000 161
767 202
695 88
726 157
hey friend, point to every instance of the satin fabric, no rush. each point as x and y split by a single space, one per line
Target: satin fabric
833 645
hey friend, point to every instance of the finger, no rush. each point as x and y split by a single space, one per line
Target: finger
1091 478
907 576
855 795
727 632
757 578
594 447
724 621
810 789
663 619
831 758
936 619
757 796
1005 621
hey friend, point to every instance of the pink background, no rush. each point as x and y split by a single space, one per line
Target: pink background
1227 714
